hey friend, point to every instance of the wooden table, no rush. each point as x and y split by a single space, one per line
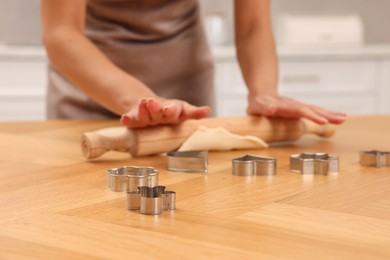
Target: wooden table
55 205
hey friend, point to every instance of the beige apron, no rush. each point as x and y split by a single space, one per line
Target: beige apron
160 42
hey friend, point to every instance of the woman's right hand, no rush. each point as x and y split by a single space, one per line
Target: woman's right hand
156 111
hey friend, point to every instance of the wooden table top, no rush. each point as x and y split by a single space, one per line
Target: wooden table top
56 205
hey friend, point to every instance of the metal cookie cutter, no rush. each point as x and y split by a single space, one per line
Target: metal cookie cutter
375 158
314 163
187 161
129 178
249 165
151 200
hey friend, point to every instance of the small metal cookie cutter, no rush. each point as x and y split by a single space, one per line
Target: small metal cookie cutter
187 161
249 165
129 178
375 158
314 163
151 200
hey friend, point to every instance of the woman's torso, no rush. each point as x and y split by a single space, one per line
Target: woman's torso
160 42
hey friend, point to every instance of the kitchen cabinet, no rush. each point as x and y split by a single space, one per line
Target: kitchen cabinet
22 83
353 81
356 81
384 96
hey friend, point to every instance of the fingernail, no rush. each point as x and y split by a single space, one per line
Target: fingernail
124 119
324 120
149 102
167 106
340 118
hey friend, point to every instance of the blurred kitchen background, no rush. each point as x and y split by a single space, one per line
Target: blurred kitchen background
333 53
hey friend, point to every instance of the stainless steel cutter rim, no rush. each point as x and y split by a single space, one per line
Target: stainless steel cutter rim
133 171
128 178
151 200
249 158
187 161
250 165
151 192
314 163
375 158
195 153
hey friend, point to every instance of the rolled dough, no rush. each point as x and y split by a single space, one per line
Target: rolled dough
220 139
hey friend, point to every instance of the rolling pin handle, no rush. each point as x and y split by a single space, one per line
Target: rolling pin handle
90 146
95 144
310 127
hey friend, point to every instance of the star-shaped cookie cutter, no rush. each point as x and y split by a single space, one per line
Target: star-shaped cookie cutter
314 163
249 165
374 158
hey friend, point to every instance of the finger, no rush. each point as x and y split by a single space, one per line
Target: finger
169 109
155 110
171 113
126 120
314 116
138 117
143 116
297 110
194 112
333 117
318 114
130 121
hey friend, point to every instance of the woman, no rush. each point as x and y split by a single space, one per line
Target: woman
148 61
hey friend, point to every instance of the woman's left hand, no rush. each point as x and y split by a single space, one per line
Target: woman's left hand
277 106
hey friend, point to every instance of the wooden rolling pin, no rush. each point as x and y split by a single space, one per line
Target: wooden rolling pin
165 138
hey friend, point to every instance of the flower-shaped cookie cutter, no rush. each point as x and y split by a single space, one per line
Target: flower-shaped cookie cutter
314 163
151 200
129 178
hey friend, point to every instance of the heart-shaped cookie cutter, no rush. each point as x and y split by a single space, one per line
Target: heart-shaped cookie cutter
374 158
249 165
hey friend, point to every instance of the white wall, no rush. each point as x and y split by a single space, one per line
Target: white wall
19 19
19 22
375 13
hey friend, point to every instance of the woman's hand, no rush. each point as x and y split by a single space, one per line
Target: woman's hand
277 106
153 111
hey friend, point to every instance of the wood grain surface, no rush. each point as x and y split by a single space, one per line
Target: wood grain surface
55 205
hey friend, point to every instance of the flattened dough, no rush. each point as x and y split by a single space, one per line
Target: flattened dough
219 139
